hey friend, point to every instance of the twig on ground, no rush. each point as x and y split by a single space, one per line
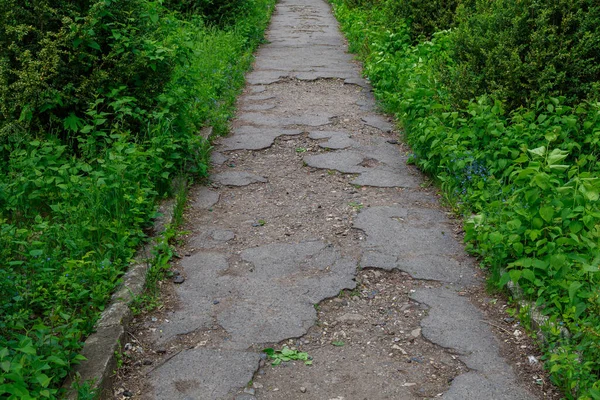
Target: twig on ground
496 326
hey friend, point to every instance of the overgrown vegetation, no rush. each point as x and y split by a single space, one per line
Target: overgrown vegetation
101 102
503 109
158 265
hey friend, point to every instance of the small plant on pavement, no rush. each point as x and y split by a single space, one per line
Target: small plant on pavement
356 205
287 354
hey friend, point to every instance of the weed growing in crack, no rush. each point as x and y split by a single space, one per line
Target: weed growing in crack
356 205
287 354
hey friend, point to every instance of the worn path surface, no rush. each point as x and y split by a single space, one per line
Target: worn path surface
316 234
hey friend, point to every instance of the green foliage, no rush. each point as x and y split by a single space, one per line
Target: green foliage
57 58
214 12
101 104
158 267
526 180
287 354
424 17
519 50
32 364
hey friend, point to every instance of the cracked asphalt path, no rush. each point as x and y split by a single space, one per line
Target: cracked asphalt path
311 187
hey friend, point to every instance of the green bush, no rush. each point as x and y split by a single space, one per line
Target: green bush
525 180
424 17
214 12
79 178
519 50
57 58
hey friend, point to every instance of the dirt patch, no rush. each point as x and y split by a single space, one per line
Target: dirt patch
369 335
516 345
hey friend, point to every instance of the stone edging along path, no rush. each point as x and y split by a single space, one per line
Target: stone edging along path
312 202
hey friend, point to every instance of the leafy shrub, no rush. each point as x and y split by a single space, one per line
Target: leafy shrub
214 12
519 50
526 180
79 179
424 17
57 58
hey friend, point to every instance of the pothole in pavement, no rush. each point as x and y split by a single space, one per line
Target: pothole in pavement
366 344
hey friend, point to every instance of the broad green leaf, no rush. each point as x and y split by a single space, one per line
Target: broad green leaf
43 379
547 213
523 262
534 234
575 226
529 275
496 237
337 343
504 279
560 167
542 179
557 156
93 44
522 158
540 264
36 253
5 365
16 389
595 393
514 224
557 261
573 288
269 351
515 275
589 221
286 351
3 352
589 191
27 350
538 151
72 122
58 361
518 247
594 267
